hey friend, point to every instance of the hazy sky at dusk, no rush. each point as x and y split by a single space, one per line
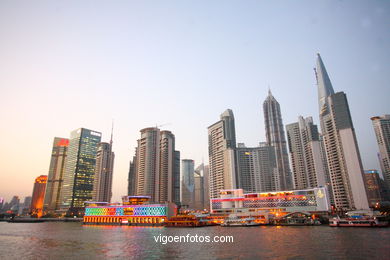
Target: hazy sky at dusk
71 64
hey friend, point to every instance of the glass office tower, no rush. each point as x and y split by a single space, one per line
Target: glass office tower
79 170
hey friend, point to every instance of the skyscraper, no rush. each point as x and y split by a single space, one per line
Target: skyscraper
24 208
342 152
257 168
131 178
156 165
305 151
176 180
199 192
165 189
38 195
275 137
382 131
222 142
206 187
79 170
188 183
373 187
102 187
56 175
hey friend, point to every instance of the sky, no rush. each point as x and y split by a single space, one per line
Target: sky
179 64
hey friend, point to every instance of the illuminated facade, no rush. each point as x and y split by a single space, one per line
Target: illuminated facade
308 200
56 174
38 195
340 145
133 211
373 187
79 170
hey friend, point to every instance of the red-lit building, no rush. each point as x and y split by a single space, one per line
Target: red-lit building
38 196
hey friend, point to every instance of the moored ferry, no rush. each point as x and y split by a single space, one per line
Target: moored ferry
184 221
377 221
240 222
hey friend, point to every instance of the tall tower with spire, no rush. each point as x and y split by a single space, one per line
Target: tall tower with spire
275 137
341 148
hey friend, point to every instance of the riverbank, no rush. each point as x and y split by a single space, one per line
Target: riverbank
38 220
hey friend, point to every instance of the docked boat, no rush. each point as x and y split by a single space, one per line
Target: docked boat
25 220
378 221
184 221
240 222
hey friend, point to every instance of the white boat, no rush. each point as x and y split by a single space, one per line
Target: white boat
240 222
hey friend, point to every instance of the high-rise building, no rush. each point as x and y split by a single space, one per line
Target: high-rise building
79 170
13 205
176 180
188 183
275 137
147 162
55 178
199 198
206 183
131 178
165 180
201 184
372 182
156 165
24 208
222 144
256 166
382 131
38 195
305 151
342 152
102 186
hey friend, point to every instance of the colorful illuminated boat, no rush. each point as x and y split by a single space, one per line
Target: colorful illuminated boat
134 211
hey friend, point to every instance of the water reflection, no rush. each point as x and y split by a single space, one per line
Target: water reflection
75 241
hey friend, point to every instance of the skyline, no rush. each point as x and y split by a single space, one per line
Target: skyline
55 50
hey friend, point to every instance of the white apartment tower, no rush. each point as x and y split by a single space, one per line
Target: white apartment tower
305 153
341 148
222 144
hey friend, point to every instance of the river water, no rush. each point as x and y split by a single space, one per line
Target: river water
76 241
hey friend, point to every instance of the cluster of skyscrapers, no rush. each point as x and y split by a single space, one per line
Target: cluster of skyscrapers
329 159
155 171
81 167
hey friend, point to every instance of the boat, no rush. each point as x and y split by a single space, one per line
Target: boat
184 221
25 220
240 222
375 221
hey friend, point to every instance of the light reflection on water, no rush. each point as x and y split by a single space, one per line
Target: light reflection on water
75 241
